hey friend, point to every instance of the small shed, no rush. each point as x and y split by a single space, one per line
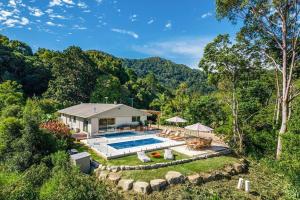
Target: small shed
82 160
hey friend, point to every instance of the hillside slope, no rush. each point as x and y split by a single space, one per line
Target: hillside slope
168 73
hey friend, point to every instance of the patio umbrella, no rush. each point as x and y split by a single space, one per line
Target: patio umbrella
176 120
199 127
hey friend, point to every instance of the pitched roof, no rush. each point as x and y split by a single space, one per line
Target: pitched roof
86 110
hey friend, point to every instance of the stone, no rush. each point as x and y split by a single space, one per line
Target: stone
217 175
115 169
206 177
238 168
114 177
174 177
230 170
142 187
103 175
158 184
195 179
125 184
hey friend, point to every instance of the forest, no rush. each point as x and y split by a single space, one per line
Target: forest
246 88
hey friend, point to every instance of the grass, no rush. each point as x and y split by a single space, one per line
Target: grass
186 169
126 160
265 184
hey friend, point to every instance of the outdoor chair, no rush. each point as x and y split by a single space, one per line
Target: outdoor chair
168 155
143 157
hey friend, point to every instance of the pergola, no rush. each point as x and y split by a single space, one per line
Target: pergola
154 112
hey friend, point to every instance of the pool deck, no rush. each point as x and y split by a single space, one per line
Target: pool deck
101 145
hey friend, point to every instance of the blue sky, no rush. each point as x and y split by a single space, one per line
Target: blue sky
174 29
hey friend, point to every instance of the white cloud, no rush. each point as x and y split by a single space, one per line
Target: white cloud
133 17
183 50
55 3
82 5
60 2
49 11
13 22
57 16
69 2
168 25
53 24
5 14
122 31
206 15
12 3
35 12
150 21
78 27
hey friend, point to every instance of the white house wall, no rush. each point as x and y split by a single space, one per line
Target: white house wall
123 120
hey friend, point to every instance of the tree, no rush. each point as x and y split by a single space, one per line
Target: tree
106 86
275 25
224 63
74 75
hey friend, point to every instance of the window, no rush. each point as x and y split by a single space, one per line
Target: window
74 119
136 118
105 122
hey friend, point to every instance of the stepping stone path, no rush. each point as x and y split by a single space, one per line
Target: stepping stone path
114 177
174 177
142 187
125 184
158 184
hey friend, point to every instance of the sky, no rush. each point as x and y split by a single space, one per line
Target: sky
173 29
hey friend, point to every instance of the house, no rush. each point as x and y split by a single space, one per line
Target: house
93 117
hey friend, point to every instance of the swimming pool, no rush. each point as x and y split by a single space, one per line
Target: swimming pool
134 143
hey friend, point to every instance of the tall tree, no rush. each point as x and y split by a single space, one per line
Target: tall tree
278 23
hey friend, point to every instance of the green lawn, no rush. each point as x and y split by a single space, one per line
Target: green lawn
186 169
126 160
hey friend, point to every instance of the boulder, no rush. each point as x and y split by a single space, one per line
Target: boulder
114 177
238 168
125 184
115 168
217 175
230 170
174 177
206 177
103 175
142 187
158 184
195 179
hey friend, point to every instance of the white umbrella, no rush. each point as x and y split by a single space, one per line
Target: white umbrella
199 127
176 120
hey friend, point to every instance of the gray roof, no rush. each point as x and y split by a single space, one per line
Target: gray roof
78 156
86 110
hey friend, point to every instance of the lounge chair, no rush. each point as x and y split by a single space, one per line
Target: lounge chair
168 155
162 132
166 134
181 137
177 134
143 157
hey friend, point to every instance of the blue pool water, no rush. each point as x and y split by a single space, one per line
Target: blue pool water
134 143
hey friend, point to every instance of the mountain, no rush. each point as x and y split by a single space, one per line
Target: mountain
168 73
